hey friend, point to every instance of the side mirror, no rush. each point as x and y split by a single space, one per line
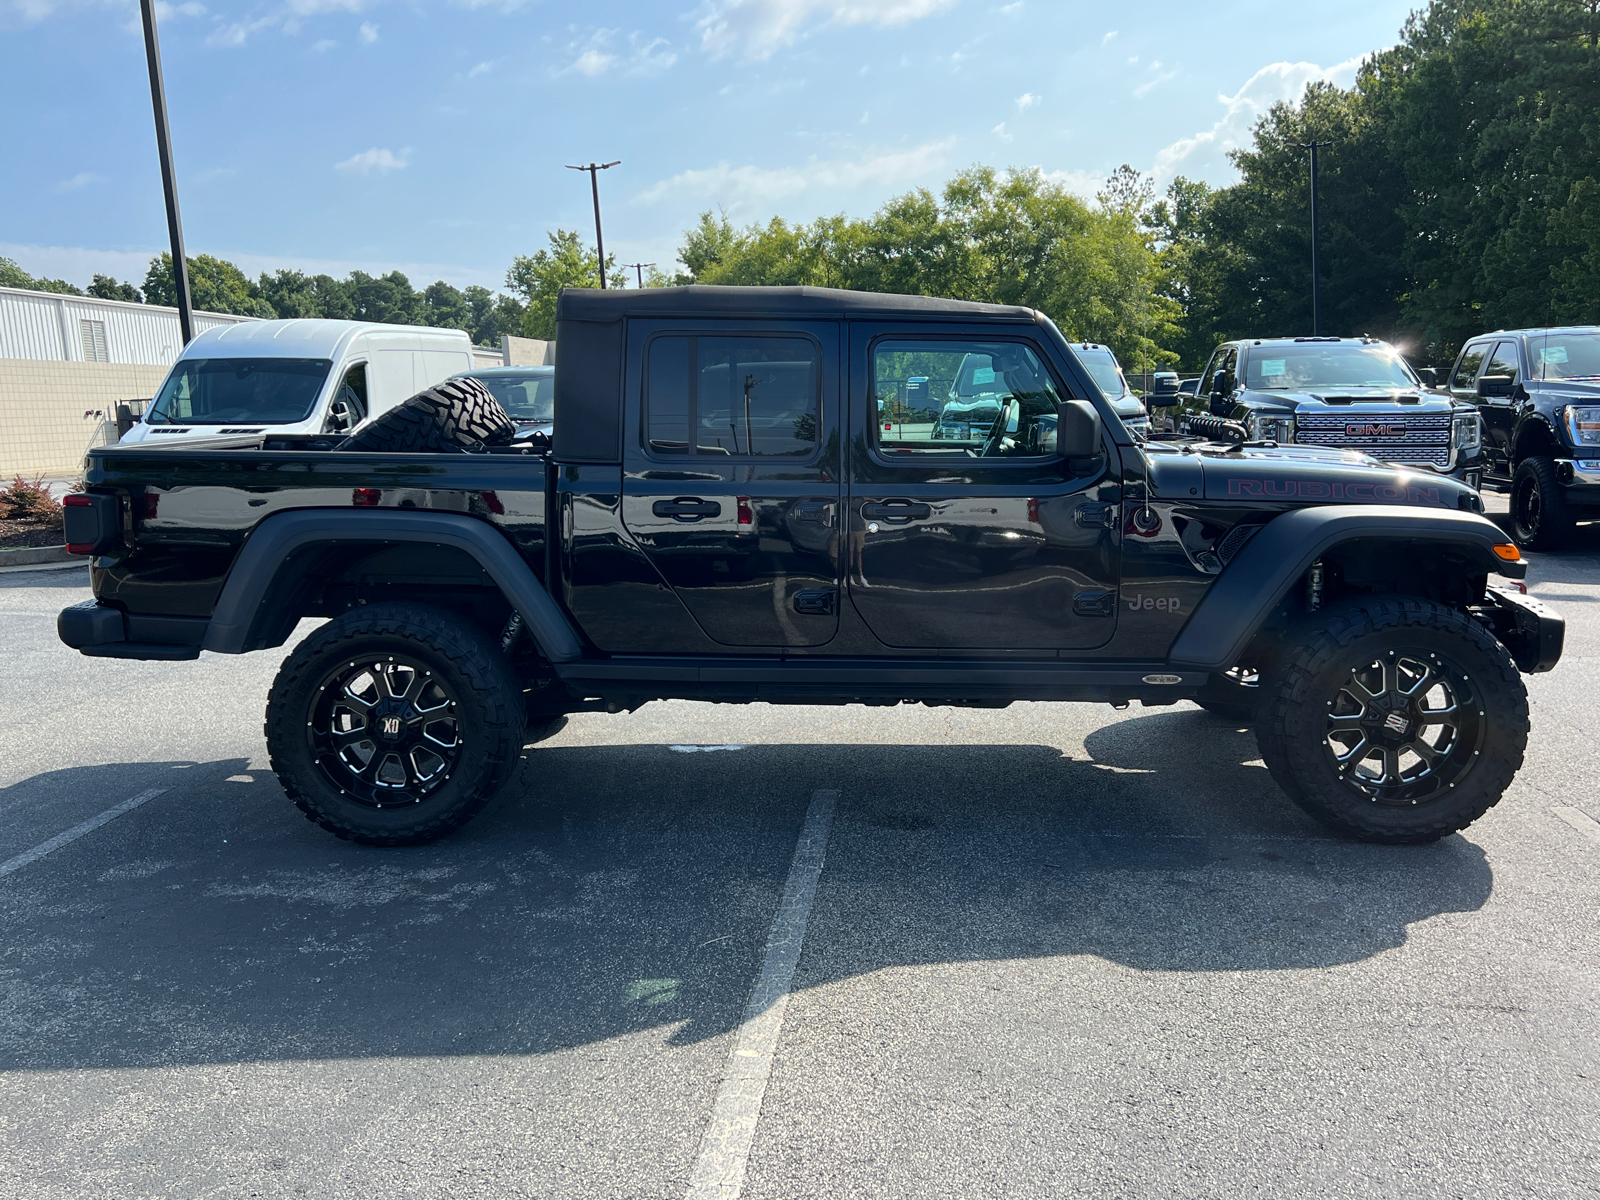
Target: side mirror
340 419
1495 385
1165 392
1429 376
1078 433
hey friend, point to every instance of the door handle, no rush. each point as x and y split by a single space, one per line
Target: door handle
895 510
686 508
813 510
1095 513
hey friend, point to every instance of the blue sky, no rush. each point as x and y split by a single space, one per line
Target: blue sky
430 135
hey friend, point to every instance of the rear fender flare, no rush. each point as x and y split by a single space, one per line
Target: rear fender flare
236 621
1270 563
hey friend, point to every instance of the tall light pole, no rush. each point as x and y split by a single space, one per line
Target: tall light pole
169 182
638 269
1316 305
594 170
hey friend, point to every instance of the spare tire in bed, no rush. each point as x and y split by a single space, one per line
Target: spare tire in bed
456 415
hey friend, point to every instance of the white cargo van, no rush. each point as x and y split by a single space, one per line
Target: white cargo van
238 383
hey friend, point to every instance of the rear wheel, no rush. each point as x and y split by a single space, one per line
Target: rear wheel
1540 517
1394 721
393 725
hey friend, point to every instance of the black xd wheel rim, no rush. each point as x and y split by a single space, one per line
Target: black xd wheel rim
1404 728
1528 505
385 730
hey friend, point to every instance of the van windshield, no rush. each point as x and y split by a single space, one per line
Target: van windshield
228 391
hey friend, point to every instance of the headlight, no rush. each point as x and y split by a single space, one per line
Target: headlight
1467 432
1268 427
1583 424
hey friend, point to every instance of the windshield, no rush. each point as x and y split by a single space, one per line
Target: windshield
226 391
1565 355
526 398
1102 367
1326 365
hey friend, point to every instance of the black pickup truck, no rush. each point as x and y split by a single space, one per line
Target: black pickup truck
730 510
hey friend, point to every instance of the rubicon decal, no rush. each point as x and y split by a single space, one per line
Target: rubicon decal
1391 429
1317 489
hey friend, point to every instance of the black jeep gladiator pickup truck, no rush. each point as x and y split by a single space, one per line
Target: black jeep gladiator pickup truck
724 514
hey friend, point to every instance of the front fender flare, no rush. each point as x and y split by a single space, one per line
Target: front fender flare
250 580
1268 565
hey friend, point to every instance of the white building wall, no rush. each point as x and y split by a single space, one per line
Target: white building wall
45 326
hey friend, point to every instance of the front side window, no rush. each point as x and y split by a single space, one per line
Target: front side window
962 397
228 391
1467 369
1504 362
1565 356
1220 376
750 396
1326 365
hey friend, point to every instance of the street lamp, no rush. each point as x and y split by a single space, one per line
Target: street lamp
594 170
169 183
1316 307
638 269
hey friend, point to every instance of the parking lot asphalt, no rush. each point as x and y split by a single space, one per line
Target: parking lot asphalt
1054 950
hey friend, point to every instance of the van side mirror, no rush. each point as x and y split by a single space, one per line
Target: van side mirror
340 418
1078 433
1495 385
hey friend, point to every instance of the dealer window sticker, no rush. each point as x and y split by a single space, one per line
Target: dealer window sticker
1553 354
986 374
1274 366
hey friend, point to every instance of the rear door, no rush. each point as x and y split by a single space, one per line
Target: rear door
731 481
988 542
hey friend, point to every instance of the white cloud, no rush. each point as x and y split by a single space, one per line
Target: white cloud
368 33
1205 151
593 62
742 187
323 46
758 28
81 180
236 34
482 68
1083 184
166 12
1000 132
372 160
1157 78
1014 7
1027 100
1105 41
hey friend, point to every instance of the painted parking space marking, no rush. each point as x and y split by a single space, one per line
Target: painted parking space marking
1579 820
77 831
725 1147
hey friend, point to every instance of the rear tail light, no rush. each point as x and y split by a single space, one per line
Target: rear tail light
366 497
1033 510
746 515
92 522
492 503
78 500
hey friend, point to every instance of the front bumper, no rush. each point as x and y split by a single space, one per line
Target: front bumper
1533 631
1580 478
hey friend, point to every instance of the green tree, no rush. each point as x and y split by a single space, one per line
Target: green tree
106 287
13 276
538 279
215 285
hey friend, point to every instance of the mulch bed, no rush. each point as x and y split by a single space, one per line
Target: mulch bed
16 534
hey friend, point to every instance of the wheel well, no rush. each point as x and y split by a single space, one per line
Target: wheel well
1533 440
329 579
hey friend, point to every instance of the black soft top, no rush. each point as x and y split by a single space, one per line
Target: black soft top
702 300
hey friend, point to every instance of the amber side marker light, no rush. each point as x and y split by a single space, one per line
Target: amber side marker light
1507 551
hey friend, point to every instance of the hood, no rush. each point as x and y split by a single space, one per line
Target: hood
1299 475
1580 390
1357 400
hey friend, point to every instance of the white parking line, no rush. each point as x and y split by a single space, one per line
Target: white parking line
725 1147
77 831
1579 820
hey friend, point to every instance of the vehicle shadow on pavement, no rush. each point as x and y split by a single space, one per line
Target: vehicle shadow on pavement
629 889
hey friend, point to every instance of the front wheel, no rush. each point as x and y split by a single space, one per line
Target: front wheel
1394 721
1540 518
394 724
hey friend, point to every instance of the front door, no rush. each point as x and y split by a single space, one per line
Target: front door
1500 412
731 474
973 534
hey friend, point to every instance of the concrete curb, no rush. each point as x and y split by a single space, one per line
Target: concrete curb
27 556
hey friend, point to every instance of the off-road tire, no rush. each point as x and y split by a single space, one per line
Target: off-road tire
459 414
1230 698
1312 683
485 716
1540 516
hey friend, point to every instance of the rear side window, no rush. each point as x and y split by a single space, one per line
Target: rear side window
746 396
1467 369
